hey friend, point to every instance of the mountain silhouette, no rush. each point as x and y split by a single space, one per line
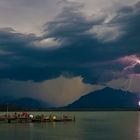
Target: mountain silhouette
107 98
28 103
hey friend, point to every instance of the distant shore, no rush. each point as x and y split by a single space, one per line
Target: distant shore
87 109
20 109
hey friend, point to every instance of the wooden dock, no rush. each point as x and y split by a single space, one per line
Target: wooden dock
29 118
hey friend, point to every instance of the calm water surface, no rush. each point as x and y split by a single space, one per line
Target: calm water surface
88 126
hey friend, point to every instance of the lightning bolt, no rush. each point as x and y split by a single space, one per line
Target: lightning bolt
132 61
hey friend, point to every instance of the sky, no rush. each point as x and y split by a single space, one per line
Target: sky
60 50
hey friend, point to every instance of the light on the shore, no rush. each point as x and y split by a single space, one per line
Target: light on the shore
31 116
139 103
54 117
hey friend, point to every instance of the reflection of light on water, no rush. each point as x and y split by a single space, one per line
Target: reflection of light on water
53 125
138 129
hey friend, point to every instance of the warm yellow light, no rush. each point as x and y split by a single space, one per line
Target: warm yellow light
54 117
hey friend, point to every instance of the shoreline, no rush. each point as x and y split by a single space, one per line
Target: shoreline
71 110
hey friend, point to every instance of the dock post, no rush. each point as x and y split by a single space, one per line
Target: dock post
74 118
9 120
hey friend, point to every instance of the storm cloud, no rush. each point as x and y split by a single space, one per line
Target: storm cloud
79 49
99 48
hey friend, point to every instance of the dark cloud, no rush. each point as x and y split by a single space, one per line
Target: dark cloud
137 69
83 52
26 2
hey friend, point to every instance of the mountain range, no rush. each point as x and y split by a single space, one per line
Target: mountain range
27 103
104 98
107 98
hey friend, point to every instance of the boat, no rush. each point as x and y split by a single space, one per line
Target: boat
53 118
25 117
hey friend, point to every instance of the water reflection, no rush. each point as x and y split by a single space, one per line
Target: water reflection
138 127
112 126
88 126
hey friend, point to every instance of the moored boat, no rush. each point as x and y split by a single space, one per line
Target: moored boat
25 117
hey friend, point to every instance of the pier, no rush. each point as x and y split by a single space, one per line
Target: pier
25 117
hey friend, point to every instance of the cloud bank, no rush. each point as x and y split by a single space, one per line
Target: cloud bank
74 44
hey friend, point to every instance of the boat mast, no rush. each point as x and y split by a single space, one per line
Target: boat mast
7 110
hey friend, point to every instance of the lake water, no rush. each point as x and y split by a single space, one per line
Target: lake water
88 126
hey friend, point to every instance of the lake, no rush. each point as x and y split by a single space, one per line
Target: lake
88 126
